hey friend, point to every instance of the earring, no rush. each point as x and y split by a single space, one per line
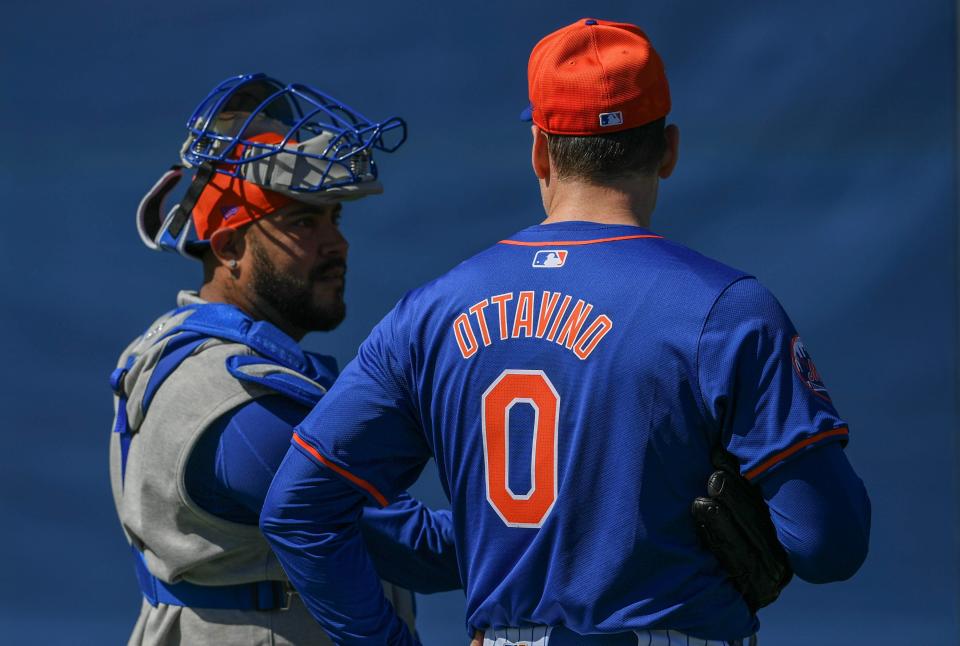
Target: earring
232 264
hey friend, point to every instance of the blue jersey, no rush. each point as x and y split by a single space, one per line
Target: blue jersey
571 382
233 462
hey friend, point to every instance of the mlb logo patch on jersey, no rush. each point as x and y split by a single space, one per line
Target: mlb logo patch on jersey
550 258
806 369
608 119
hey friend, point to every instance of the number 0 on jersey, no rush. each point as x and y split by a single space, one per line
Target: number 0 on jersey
514 387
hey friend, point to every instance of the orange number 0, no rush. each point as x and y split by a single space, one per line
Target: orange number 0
510 388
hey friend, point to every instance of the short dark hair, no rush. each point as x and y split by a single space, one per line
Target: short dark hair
601 159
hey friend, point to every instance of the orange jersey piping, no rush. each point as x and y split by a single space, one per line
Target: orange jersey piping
360 482
786 453
570 243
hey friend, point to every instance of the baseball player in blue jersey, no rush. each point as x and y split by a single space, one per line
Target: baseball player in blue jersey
574 384
206 399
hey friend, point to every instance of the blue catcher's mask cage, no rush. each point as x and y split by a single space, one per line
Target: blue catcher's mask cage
291 139
333 141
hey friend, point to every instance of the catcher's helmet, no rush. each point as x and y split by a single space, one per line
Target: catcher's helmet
289 139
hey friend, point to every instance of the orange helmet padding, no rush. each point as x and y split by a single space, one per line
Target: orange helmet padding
228 202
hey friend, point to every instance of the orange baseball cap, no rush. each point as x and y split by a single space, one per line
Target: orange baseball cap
595 77
228 202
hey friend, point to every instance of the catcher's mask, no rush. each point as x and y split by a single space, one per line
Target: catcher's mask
289 139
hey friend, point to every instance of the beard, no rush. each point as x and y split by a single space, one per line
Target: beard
293 298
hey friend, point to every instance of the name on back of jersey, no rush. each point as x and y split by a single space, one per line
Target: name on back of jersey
553 317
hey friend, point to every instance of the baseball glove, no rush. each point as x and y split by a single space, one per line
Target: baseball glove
733 522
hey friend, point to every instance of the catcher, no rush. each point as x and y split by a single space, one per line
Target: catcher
206 399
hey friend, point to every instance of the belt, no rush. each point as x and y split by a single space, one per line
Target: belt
258 595
562 636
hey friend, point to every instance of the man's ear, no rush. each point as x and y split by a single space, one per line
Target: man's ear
540 154
672 154
227 245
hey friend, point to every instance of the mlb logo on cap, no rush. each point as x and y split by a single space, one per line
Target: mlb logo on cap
608 119
550 258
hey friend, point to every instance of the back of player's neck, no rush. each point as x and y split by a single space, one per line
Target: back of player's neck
624 219
578 201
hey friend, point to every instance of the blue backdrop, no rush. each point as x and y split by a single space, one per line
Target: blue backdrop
817 152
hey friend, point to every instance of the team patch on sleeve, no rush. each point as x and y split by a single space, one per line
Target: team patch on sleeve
806 369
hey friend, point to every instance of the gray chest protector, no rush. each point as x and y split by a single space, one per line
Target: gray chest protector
205 580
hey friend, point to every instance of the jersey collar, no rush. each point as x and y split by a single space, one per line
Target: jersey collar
577 233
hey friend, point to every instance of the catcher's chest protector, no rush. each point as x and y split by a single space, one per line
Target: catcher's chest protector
179 380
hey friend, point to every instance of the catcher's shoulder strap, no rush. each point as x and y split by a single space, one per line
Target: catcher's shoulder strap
278 378
278 364
172 356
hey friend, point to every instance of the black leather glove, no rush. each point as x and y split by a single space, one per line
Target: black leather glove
733 522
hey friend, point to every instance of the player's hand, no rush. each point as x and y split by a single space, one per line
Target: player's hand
734 523
477 639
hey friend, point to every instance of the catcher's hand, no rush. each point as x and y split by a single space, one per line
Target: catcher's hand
734 523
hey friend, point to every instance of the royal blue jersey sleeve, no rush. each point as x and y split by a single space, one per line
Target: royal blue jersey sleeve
362 441
310 519
411 545
235 460
771 410
367 428
761 389
821 513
